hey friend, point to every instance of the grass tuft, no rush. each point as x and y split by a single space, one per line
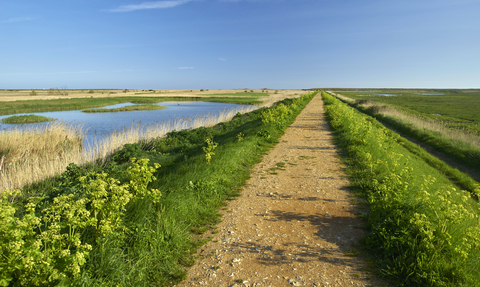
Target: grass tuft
26 119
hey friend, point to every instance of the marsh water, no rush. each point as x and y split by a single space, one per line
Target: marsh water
98 124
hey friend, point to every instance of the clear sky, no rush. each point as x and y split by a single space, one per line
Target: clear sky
209 44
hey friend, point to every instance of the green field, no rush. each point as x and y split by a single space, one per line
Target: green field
456 108
29 106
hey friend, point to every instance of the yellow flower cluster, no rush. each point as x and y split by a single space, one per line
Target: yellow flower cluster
49 245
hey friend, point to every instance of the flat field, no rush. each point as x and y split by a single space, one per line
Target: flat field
456 108
18 101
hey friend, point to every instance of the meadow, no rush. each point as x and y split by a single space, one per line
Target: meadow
132 219
424 230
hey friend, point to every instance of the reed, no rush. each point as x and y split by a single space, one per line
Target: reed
30 155
34 153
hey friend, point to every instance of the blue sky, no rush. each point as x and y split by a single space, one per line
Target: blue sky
193 44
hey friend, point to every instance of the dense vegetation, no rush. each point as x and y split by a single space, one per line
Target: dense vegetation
30 106
126 109
25 119
133 221
423 230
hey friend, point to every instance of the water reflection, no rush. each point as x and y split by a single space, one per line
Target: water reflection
98 124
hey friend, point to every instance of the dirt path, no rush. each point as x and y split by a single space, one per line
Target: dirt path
294 224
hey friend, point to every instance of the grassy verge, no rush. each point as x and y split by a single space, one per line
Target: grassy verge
452 146
459 150
26 119
126 109
423 231
133 222
455 108
87 103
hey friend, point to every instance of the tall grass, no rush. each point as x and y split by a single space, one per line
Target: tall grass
27 156
35 153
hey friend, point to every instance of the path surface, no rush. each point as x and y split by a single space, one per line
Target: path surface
294 224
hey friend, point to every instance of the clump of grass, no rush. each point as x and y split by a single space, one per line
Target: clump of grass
126 109
26 119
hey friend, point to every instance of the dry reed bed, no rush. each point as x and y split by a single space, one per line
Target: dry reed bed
30 155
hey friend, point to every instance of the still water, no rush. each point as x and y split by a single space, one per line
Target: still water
98 124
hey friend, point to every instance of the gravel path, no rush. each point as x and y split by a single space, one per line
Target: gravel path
294 224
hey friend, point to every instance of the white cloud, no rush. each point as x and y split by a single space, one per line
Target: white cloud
222 59
149 5
17 19
185 68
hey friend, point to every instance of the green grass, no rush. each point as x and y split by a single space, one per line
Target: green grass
423 230
30 106
160 238
126 109
26 119
455 150
456 108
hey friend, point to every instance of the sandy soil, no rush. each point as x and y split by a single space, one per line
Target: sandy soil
294 224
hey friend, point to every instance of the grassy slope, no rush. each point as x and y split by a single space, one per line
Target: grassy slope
457 108
161 236
422 231
453 149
